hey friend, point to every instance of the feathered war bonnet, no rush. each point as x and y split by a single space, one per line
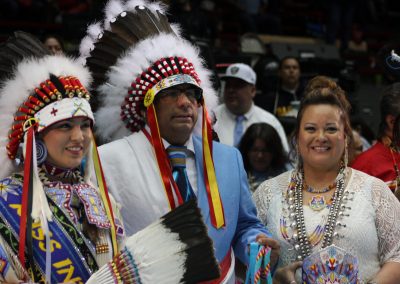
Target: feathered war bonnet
133 54
37 90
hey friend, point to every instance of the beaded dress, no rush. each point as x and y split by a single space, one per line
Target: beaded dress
367 225
75 252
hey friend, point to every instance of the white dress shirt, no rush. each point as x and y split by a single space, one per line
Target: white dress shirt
225 123
190 163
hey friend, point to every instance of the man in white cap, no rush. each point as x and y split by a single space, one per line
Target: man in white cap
238 111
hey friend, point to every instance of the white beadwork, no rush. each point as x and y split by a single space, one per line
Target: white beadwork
374 211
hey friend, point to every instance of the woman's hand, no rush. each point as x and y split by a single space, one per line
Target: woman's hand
286 274
273 244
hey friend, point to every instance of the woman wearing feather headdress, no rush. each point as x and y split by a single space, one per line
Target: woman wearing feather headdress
56 225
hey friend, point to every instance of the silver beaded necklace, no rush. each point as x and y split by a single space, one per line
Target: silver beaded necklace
302 243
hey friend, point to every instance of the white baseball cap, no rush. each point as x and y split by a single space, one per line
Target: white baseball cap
241 71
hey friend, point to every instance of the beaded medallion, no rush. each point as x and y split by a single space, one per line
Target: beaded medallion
317 203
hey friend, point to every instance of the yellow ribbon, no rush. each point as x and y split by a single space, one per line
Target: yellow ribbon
216 204
104 196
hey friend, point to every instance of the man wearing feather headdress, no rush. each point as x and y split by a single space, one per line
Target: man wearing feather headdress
56 225
153 95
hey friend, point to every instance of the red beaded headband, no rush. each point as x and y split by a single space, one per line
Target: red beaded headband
163 68
43 96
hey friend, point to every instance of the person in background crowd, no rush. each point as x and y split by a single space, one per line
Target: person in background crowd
324 202
260 16
290 87
54 44
382 160
263 154
284 100
238 111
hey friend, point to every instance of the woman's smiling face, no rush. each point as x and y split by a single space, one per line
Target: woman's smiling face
68 141
321 137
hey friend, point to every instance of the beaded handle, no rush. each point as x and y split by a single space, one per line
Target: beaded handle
259 270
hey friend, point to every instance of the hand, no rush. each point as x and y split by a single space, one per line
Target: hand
286 274
273 244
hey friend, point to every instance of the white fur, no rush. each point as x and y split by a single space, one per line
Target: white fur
94 30
87 43
129 67
86 46
27 76
112 9
131 4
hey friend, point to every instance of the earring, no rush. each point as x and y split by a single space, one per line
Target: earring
346 153
41 152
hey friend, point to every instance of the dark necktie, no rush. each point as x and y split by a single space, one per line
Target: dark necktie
177 156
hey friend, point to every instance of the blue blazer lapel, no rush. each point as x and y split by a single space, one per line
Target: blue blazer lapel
202 193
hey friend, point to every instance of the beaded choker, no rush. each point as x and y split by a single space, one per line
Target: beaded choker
54 173
322 190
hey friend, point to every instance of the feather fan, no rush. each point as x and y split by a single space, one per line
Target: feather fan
175 249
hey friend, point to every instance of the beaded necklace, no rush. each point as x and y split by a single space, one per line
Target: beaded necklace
322 190
302 242
49 173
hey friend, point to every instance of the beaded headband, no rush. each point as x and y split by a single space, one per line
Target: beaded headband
48 105
163 74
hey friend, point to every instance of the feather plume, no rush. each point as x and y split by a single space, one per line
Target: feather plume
112 9
174 249
139 58
17 48
87 44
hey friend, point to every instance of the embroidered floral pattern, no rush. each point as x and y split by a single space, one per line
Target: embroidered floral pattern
7 187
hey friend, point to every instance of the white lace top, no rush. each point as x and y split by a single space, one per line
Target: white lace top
369 230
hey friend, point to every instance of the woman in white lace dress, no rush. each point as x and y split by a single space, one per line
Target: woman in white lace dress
324 202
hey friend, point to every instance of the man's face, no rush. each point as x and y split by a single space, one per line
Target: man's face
290 73
177 111
238 95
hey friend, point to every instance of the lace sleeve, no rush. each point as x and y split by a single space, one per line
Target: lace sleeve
387 220
262 197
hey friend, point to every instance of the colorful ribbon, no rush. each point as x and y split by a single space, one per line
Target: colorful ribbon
210 179
104 196
162 159
259 270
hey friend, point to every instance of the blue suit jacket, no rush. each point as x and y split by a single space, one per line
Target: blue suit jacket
241 222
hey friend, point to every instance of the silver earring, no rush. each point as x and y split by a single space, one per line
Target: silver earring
346 153
41 152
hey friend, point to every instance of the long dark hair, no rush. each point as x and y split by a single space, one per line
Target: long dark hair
390 105
271 138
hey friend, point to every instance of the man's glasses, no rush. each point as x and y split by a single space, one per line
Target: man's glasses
193 94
